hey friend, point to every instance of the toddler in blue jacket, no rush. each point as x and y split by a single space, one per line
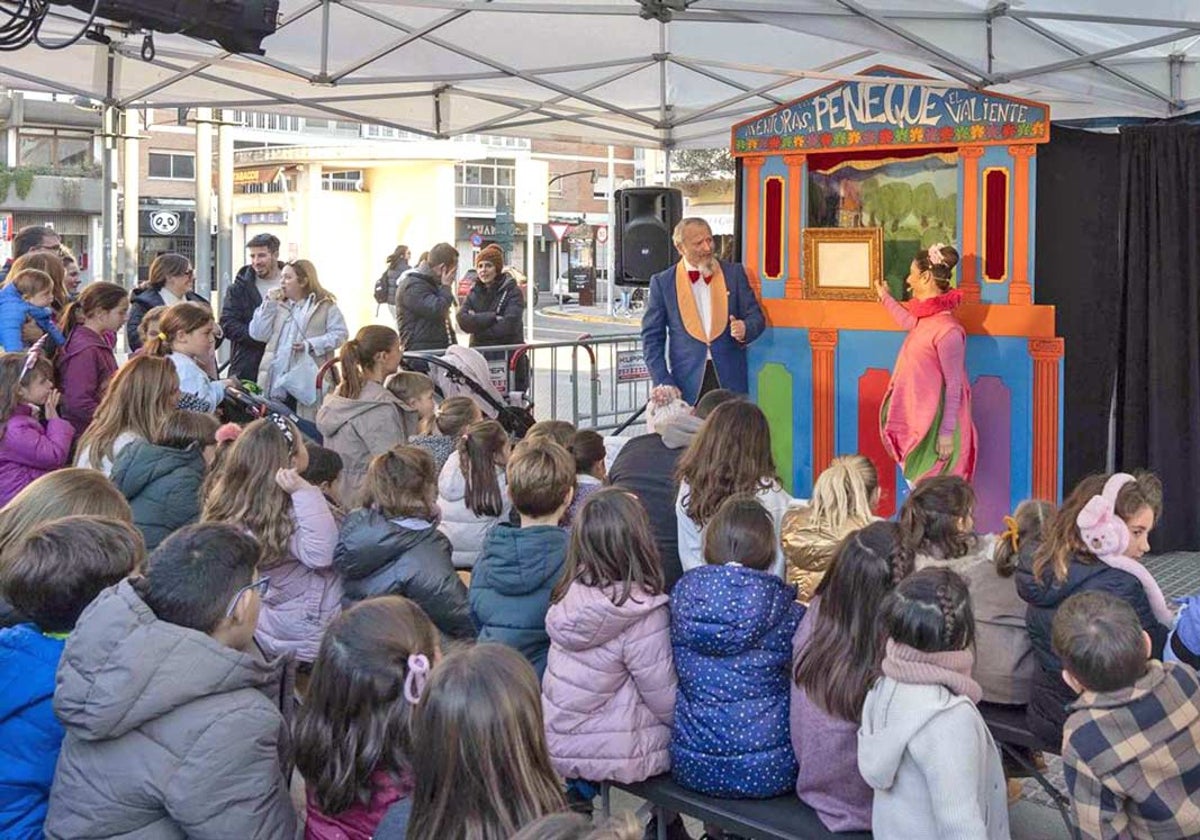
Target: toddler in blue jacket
732 623
27 294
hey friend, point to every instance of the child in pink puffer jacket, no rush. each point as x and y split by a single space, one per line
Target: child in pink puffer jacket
608 695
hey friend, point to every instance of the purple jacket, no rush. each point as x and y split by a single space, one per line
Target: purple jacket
84 367
827 752
29 450
608 695
359 821
305 593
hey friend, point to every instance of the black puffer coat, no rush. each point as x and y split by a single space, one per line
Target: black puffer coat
494 314
423 311
376 556
1047 702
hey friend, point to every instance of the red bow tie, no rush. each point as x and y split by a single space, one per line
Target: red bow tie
694 276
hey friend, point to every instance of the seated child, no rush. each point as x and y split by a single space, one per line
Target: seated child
587 448
473 490
391 545
186 336
29 446
352 737
162 477
147 327
937 525
171 726
609 690
1131 746
324 467
415 393
518 567
27 294
50 577
923 746
559 431
450 420
732 623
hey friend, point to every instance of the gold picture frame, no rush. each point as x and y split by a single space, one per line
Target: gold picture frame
842 263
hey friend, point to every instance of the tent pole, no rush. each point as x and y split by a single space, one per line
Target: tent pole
202 261
225 265
108 210
129 224
610 257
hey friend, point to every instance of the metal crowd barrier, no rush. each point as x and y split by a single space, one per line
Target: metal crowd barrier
595 382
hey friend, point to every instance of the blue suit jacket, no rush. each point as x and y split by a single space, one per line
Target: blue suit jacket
680 362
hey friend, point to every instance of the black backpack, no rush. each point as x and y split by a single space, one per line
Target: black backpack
383 288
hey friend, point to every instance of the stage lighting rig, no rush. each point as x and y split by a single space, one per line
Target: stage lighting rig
239 26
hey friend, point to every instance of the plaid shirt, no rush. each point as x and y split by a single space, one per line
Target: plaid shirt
1132 757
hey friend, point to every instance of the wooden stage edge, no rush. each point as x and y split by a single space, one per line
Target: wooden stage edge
977 318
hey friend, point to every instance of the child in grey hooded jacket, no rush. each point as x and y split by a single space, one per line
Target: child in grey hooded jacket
924 702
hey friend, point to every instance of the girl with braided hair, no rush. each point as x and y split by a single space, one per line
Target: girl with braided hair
937 524
925 421
923 746
836 653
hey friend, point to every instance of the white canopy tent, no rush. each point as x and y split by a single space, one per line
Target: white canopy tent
634 71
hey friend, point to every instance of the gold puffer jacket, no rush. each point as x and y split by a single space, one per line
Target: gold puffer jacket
808 550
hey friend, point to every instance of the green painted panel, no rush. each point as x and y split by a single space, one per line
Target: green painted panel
775 399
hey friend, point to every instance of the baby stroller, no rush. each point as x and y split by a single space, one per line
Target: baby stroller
241 406
463 371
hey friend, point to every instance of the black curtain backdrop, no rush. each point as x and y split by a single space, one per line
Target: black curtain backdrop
1078 190
1158 387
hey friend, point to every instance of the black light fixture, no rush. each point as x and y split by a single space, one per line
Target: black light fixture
239 26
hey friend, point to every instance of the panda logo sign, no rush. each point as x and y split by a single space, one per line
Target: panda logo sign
164 222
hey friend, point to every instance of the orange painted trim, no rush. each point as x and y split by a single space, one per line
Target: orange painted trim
794 287
1020 292
1046 354
969 236
976 318
1008 210
813 150
824 396
783 242
752 224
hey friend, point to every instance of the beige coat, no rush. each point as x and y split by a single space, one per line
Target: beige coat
1004 659
360 429
321 326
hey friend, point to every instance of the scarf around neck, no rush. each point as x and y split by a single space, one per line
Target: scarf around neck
949 668
945 302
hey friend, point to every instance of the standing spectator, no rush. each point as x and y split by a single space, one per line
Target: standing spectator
31 240
423 301
302 327
172 279
389 282
73 279
645 466
185 336
246 293
87 363
172 728
494 311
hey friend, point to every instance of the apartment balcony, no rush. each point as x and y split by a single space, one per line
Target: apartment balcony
49 189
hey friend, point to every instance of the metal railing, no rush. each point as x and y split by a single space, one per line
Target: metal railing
595 382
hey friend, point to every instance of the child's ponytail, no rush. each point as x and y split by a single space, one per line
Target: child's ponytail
478 452
180 318
95 298
1029 522
357 356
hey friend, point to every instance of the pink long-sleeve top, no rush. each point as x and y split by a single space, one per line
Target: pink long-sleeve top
949 342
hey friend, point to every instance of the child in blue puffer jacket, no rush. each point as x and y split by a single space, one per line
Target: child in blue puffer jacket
27 294
732 623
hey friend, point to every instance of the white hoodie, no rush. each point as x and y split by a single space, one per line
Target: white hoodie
932 763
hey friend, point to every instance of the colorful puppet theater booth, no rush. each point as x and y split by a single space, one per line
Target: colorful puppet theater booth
849 183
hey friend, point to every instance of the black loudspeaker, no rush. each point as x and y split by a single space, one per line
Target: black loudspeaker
646 217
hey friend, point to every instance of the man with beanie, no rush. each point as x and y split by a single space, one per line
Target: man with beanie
423 301
703 313
494 310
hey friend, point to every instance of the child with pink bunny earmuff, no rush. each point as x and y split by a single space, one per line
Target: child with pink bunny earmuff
1094 544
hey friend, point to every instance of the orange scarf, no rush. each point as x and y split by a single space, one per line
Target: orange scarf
690 313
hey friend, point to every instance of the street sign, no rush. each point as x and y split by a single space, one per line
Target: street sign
559 229
602 233
476 240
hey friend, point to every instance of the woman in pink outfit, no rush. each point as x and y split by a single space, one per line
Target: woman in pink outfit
925 421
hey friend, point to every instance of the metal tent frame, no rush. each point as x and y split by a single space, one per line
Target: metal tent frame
665 73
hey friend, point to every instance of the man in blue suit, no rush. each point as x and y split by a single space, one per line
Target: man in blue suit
701 317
